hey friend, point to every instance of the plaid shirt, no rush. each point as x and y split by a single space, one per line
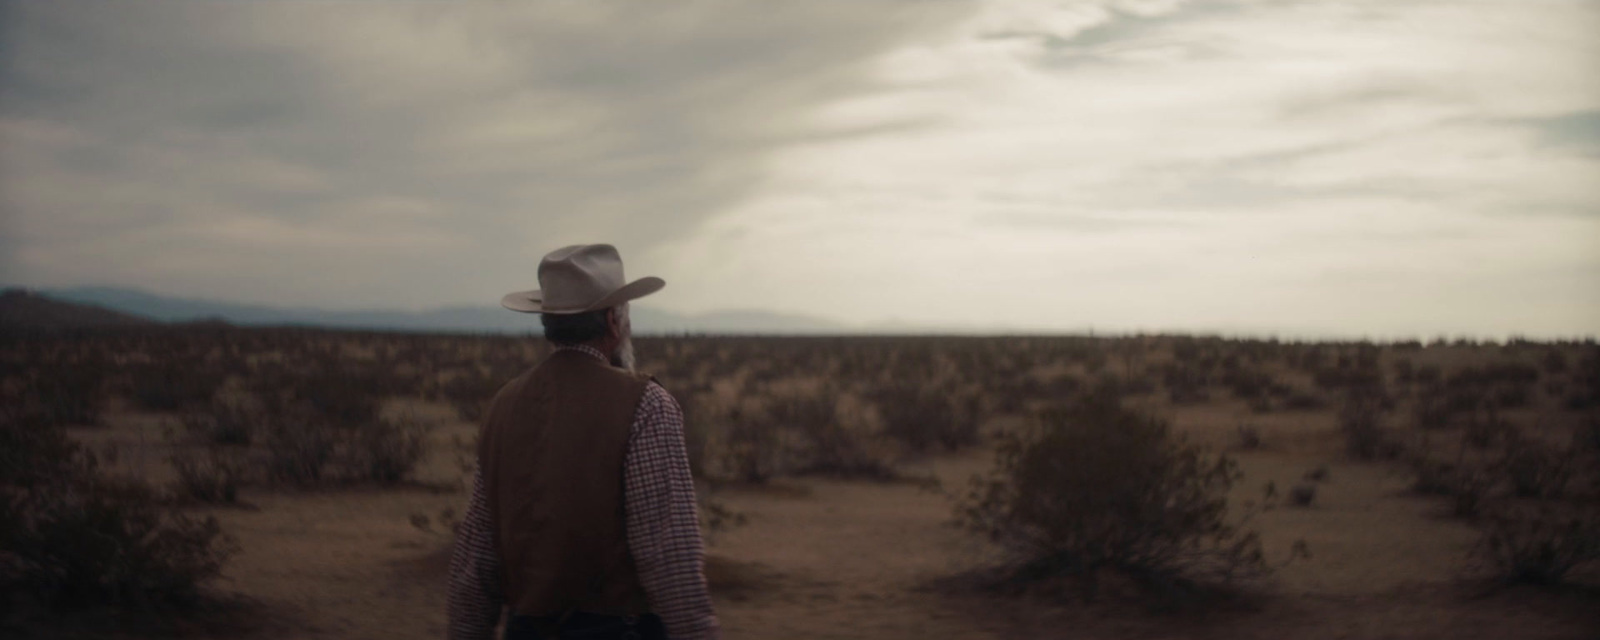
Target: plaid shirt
663 530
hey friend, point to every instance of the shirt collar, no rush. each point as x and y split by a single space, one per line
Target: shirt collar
586 350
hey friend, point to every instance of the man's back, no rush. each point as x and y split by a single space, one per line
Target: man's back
552 455
663 551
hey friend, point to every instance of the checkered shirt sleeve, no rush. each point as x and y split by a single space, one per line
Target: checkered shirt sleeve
662 525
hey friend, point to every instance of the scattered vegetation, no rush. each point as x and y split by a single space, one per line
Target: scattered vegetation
1089 488
1360 420
1100 488
74 537
1539 546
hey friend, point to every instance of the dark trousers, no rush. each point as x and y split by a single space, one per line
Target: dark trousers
586 626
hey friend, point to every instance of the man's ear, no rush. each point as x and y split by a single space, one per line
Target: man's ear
613 324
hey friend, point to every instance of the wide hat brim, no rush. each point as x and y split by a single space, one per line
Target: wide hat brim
533 301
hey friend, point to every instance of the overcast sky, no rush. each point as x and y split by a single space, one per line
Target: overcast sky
1385 168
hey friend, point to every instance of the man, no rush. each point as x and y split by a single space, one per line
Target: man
582 521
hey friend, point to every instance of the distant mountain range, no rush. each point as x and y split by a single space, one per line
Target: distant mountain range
484 319
24 308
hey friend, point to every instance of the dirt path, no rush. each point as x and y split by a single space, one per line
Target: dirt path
844 560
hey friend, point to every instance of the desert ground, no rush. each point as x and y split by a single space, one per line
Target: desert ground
806 547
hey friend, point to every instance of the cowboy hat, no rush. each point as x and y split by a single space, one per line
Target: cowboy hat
580 278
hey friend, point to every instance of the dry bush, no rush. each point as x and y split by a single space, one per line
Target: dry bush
386 450
71 537
1433 477
921 417
223 423
1553 362
1302 494
1337 379
62 394
1100 488
696 431
1539 546
1485 428
1431 411
172 384
830 447
1471 492
753 450
298 447
1249 437
1584 392
213 475
1248 384
1536 469
470 393
305 449
1304 401
1360 420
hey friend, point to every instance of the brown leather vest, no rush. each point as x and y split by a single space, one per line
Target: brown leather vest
551 453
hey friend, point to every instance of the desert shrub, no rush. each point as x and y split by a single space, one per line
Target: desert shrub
753 450
1098 488
331 395
1431 411
71 537
1302 494
1553 362
1360 420
1471 490
172 384
1261 404
1334 379
696 431
31 451
212 475
1433 477
1249 437
1584 391
1536 469
298 447
830 447
65 394
470 394
1512 396
1486 427
1247 384
1405 371
1303 401
1539 546
223 423
921 417
1185 384
1588 436
387 450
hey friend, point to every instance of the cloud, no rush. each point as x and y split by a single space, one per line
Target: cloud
1328 167
449 145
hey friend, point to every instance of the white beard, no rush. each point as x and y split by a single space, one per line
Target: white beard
623 356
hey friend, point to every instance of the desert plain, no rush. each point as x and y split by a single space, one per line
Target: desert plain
845 526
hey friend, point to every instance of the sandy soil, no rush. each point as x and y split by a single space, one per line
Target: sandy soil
821 558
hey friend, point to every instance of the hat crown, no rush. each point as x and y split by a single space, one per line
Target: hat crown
580 278
575 277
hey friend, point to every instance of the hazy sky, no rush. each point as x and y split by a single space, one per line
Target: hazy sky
1374 168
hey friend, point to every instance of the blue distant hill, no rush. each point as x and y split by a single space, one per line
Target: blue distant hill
484 319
